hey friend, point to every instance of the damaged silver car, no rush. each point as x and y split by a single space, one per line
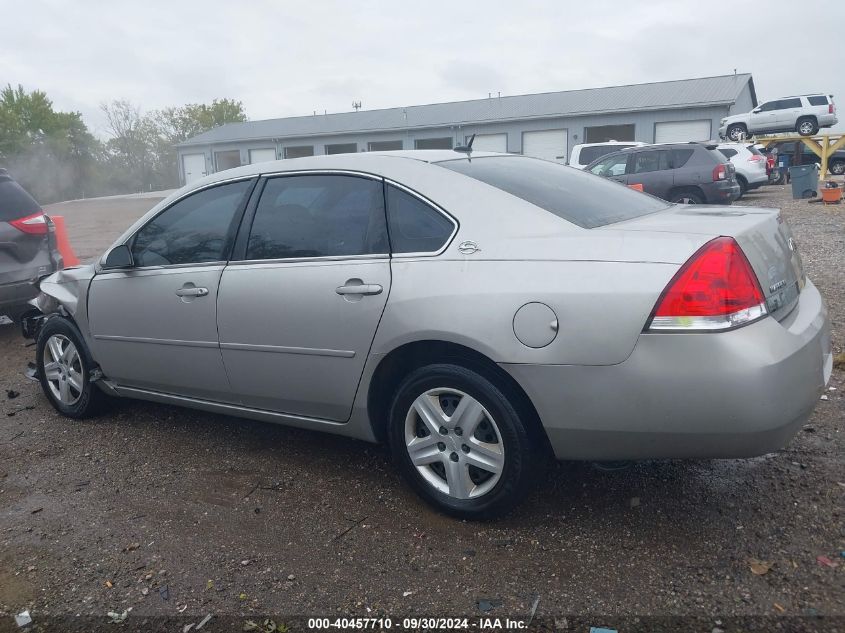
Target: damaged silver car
476 313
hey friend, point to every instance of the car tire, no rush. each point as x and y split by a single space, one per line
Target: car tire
807 126
736 132
743 186
444 470
686 196
64 367
837 167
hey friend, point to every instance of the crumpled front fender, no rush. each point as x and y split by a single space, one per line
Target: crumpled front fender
63 291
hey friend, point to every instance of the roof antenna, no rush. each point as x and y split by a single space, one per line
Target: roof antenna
466 149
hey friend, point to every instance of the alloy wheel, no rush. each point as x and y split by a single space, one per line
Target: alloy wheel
63 369
805 128
454 443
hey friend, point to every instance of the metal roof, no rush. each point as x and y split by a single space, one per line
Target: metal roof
684 93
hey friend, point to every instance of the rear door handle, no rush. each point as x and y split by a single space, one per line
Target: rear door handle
359 289
192 292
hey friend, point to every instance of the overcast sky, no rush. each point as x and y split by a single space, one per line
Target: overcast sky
284 58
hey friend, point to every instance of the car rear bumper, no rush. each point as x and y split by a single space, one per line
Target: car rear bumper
721 192
16 294
732 394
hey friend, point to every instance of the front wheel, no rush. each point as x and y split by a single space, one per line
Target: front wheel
461 443
737 132
64 367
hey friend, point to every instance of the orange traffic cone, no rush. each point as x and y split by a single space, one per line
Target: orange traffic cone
62 241
637 187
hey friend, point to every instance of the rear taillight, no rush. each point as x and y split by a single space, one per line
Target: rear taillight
715 290
755 157
830 108
720 172
35 224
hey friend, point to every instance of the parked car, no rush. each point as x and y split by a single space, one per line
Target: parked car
460 309
686 173
585 153
835 162
27 246
750 165
804 114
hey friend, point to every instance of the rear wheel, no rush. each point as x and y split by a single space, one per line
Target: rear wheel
743 186
461 443
737 132
64 367
837 167
687 196
807 126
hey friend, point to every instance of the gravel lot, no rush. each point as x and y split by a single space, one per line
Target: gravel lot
178 514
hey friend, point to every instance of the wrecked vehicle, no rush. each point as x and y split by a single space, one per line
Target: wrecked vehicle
474 311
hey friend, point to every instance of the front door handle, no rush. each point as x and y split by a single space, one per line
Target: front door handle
191 292
359 288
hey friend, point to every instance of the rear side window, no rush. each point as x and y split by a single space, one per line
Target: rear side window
574 195
318 216
657 160
198 228
15 202
728 153
817 101
415 227
680 157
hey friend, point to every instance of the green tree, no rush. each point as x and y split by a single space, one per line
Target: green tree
51 153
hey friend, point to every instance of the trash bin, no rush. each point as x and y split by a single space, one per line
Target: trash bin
805 181
783 161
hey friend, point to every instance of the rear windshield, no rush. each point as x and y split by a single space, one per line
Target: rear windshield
15 202
754 150
576 196
589 154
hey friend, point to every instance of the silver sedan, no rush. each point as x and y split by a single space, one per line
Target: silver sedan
476 313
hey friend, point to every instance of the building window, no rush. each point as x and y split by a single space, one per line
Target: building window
299 151
433 143
604 133
228 159
383 146
342 148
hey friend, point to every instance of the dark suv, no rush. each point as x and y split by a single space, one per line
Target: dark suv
835 162
688 173
27 246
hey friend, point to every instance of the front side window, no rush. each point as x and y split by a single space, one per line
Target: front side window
651 161
589 154
415 227
769 106
318 216
197 229
611 166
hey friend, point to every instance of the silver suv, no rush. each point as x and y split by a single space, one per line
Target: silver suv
804 114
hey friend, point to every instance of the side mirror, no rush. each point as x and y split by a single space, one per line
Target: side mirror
119 257
756 110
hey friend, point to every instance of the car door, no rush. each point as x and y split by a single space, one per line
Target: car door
612 167
154 325
787 113
763 117
651 169
299 305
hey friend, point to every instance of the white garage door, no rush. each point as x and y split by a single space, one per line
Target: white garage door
682 131
262 155
548 144
194 166
490 143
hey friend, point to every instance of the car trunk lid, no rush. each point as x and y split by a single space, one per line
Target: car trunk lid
763 235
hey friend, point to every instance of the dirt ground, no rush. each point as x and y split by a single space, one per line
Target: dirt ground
178 514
